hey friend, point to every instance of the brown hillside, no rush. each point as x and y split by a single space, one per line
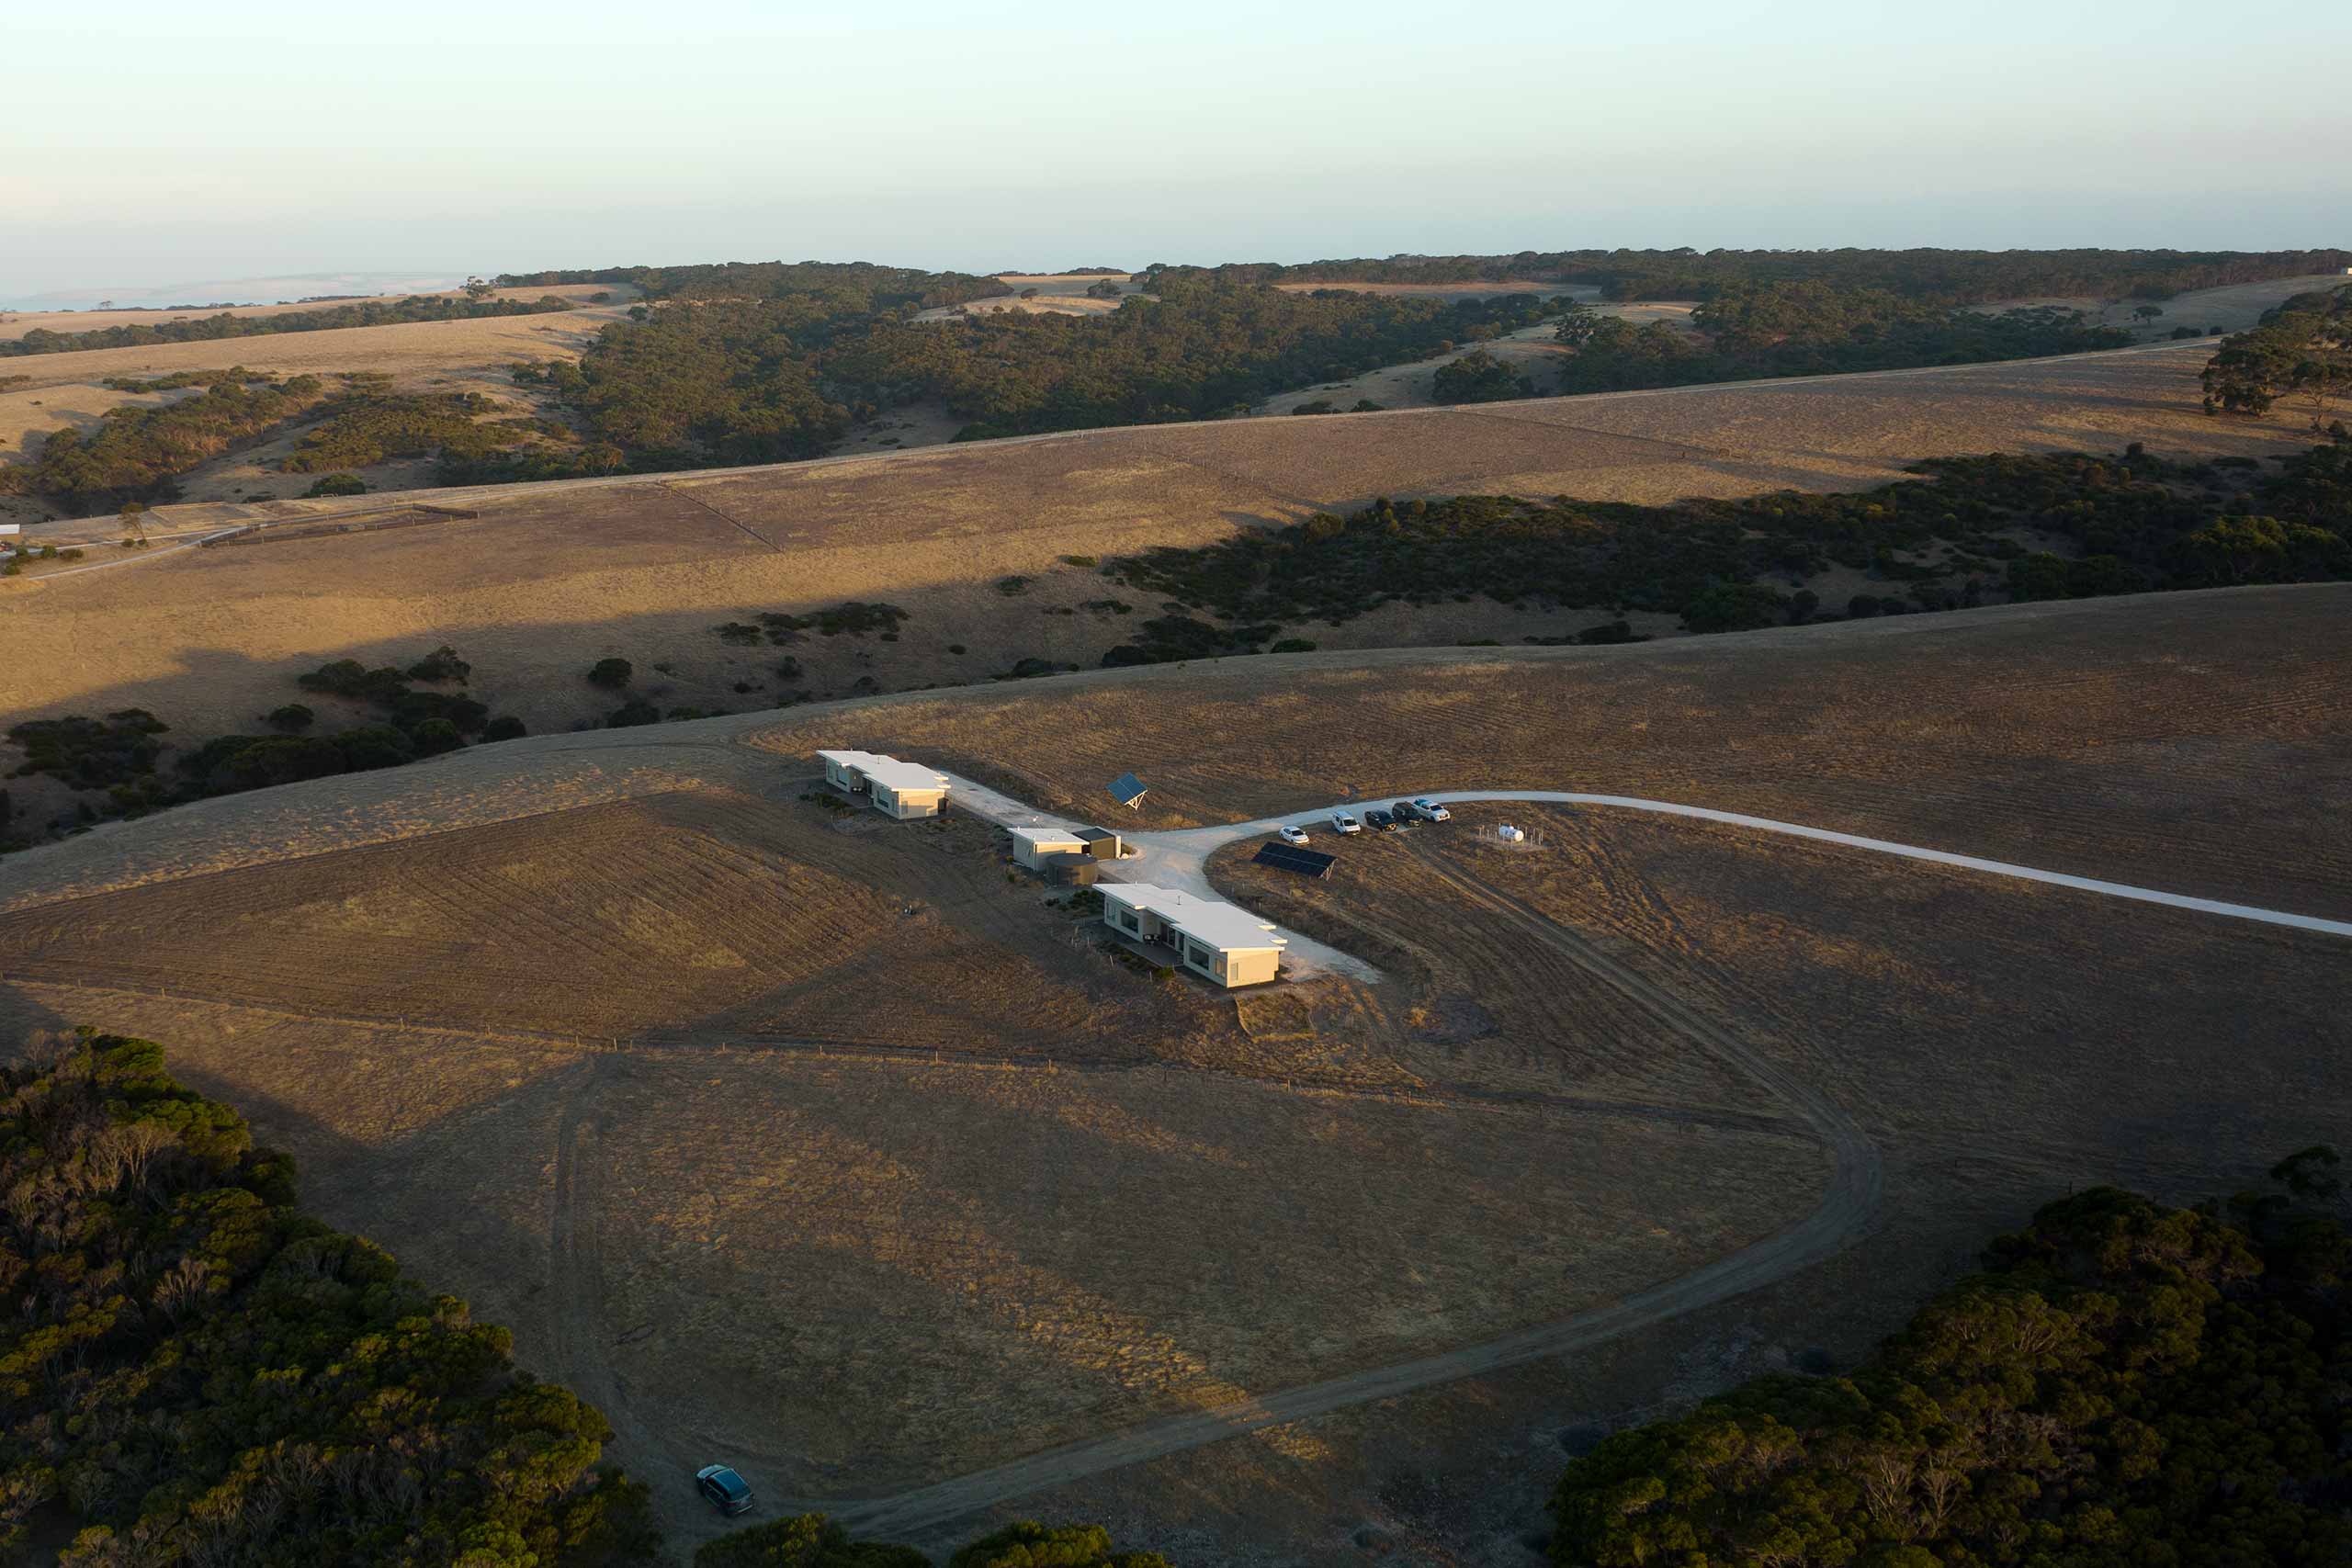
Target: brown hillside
549 579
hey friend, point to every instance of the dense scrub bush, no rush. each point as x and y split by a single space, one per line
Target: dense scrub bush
369 426
335 484
2136 523
611 673
90 753
1812 329
196 1371
136 453
2125 1383
812 1540
1027 1544
1478 378
1938 277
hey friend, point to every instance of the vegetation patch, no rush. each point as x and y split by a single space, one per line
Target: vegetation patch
199 1372
2125 1383
90 753
852 618
2303 350
2133 523
1812 328
136 454
372 427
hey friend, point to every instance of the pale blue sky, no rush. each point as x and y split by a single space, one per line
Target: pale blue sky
148 144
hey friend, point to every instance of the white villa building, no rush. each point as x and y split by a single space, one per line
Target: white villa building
890 787
1221 941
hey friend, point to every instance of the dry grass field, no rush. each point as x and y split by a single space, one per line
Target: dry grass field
549 579
16 323
730 1007
1450 292
816 1146
1058 294
2232 309
64 390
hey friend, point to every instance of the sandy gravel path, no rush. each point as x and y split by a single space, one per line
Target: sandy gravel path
1176 859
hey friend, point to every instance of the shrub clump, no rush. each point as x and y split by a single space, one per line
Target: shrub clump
198 1370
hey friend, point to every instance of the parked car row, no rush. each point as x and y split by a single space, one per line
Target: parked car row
1403 814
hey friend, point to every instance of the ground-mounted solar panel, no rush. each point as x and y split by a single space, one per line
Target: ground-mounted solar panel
1290 857
1127 789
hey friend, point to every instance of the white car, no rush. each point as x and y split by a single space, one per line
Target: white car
1291 835
1343 824
1430 809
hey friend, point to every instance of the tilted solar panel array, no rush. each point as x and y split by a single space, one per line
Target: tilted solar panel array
1290 857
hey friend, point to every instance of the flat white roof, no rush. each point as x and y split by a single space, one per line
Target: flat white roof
1226 927
1044 836
888 771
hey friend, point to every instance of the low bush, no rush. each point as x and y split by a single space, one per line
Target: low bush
611 673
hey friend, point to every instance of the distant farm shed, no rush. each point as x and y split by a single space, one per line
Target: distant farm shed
1221 941
890 787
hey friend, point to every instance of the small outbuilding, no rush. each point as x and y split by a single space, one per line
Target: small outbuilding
1100 842
1220 941
903 790
1036 847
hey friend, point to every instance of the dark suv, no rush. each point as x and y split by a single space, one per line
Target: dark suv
1379 821
727 1492
1405 813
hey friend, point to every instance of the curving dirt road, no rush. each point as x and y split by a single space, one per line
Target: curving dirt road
1177 858
1856 1186
1845 1212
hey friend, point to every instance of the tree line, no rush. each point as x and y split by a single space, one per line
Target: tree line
2124 1383
208 329
1751 332
864 284
2300 350
706 379
1929 273
2133 523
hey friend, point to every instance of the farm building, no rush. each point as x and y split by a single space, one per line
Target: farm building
890 787
1221 941
1038 848
1035 847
